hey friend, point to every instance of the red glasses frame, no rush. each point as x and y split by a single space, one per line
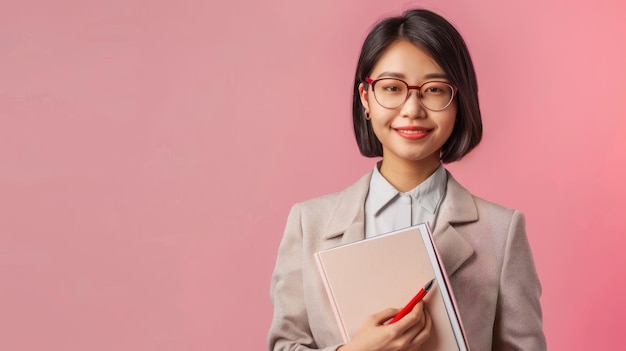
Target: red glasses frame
373 82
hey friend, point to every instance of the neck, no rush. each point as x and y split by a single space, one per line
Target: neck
406 175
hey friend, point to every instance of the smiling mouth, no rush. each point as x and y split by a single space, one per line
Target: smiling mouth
412 131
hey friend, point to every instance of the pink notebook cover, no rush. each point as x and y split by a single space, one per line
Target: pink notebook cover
368 276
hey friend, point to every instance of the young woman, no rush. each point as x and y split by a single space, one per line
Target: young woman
416 105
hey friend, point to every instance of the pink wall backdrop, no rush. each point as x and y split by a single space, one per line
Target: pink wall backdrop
150 152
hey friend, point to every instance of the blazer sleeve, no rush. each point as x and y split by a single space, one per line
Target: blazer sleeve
290 330
518 324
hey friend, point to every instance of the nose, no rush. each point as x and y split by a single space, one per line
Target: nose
412 107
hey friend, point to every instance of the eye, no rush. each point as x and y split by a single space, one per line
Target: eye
390 86
436 88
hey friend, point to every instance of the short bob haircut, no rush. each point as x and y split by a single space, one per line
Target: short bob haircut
442 41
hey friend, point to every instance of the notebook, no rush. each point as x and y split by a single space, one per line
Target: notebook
370 275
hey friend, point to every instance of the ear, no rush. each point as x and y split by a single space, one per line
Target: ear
363 96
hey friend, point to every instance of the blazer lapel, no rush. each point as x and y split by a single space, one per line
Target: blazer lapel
458 207
348 216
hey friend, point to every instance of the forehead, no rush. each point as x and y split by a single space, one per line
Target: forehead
404 59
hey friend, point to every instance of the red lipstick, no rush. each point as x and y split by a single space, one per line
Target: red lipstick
412 132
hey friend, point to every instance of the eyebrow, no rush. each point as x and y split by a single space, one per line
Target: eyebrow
402 76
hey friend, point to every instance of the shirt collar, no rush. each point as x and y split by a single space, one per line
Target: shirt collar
428 194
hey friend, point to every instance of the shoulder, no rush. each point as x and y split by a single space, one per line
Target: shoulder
329 202
487 206
486 210
329 214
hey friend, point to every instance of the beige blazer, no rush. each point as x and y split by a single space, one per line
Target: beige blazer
483 246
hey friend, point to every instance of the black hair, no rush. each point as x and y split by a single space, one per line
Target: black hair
432 33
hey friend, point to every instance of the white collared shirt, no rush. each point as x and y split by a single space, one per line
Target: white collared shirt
387 209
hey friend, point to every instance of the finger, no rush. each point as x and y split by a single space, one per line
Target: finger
414 319
414 324
424 334
384 315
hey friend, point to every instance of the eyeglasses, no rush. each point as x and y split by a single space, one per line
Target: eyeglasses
392 93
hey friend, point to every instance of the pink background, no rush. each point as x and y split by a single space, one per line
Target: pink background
150 152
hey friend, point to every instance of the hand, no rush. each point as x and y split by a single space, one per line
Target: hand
407 334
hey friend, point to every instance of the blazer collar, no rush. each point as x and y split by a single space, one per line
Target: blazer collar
348 216
458 207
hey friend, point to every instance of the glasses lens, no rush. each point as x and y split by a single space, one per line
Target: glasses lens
436 96
390 93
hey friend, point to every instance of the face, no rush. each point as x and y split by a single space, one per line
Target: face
410 132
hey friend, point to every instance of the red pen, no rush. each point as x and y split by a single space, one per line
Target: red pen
420 295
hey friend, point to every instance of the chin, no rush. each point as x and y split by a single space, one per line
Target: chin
422 159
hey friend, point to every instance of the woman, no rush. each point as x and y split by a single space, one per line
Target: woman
416 105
